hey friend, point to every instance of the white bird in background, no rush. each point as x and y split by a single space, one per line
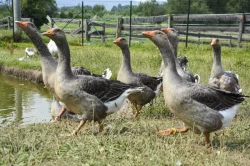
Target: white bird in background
28 53
53 48
51 45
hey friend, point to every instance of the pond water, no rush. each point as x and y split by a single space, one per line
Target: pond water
23 102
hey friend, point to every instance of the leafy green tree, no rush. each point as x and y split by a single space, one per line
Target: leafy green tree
38 10
150 8
70 14
217 6
99 10
228 6
62 15
181 7
5 8
238 6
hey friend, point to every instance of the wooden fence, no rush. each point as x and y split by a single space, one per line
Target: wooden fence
7 22
231 27
91 27
200 25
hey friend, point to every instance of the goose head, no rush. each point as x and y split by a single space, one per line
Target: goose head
27 27
215 43
56 34
157 37
121 42
171 33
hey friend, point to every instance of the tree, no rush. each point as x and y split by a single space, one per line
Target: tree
238 6
70 14
38 10
99 10
150 8
181 7
62 15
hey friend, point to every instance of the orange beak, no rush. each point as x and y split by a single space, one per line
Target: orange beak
49 33
117 41
148 34
213 42
165 30
21 24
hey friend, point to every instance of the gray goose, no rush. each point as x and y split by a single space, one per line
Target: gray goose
202 108
126 75
219 78
92 98
49 64
182 60
171 33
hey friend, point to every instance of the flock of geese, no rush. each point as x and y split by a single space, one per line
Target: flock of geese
202 108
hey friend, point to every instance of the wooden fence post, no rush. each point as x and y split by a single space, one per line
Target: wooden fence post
230 41
9 22
88 28
119 27
79 24
170 18
241 28
103 30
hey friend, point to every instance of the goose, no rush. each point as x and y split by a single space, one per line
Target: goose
171 33
219 78
49 63
126 75
202 108
92 98
182 60
28 53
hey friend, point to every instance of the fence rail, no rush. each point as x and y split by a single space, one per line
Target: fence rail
234 26
7 22
201 25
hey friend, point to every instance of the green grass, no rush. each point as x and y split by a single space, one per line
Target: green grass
128 141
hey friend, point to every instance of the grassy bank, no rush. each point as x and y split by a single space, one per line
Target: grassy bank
128 141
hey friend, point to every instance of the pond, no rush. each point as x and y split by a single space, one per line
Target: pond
23 102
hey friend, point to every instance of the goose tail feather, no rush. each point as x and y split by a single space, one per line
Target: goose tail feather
107 73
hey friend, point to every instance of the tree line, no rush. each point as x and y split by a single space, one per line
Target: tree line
39 9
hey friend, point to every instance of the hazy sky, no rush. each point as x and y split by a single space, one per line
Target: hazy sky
107 3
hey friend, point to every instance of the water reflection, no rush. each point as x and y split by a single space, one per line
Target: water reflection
23 102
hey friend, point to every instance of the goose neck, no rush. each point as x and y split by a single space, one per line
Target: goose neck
217 66
64 58
126 63
43 51
169 61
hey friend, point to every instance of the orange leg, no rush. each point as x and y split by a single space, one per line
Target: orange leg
58 117
138 109
74 132
172 131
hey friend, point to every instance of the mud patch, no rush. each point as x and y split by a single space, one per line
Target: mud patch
26 74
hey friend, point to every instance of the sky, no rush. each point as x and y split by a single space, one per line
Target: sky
107 3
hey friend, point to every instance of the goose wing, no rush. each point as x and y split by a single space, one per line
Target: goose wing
149 81
106 90
79 70
214 98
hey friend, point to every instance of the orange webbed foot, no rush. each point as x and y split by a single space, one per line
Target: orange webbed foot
166 132
172 131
